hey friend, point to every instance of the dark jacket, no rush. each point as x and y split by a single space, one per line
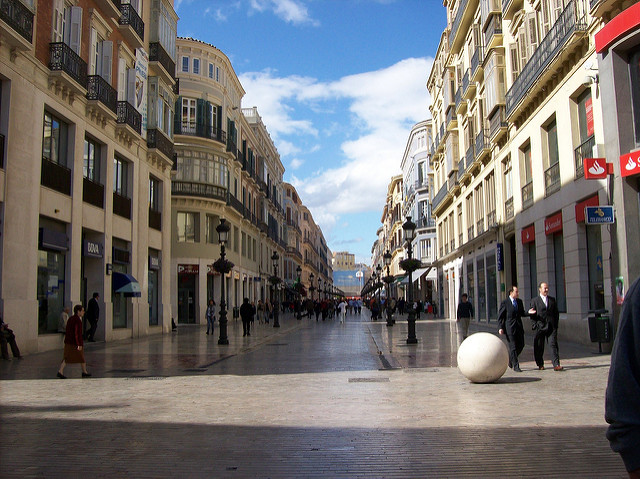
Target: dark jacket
622 404
465 310
510 318
73 334
546 317
93 310
247 311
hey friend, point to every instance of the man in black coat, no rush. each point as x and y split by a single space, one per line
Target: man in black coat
246 313
544 321
510 316
92 314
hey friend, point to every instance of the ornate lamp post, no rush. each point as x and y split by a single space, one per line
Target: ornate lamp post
409 228
387 279
311 287
299 272
223 268
274 291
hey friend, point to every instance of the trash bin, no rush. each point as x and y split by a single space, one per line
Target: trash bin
600 327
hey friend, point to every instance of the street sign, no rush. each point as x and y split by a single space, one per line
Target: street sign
598 215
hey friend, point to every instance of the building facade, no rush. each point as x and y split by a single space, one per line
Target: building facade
86 103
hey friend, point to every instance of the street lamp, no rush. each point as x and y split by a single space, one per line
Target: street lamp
223 236
299 272
387 262
311 287
274 291
409 228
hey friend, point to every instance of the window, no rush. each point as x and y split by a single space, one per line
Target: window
91 165
196 66
526 168
67 25
101 55
552 143
211 235
189 113
211 70
187 228
210 171
167 27
54 139
120 177
585 115
185 64
154 194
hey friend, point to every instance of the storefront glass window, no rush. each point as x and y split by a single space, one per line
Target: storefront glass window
533 271
558 261
482 298
492 288
596 277
50 287
120 313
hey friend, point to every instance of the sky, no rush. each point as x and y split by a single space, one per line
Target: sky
338 84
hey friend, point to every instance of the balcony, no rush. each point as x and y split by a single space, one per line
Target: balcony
438 199
585 150
470 234
469 157
231 146
102 97
461 104
476 64
527 195
557 46
452 245
510 7
55 176
131 25
92 192
121 206
156 139
461 169
200 130
508 208
493 32
491 219
68 70
497 125
235 203
468 86
128 116
16 23
201 190
552 179
158 57
464 16
452 183
452 119
110 7
155 219
483 148
480 226
460 240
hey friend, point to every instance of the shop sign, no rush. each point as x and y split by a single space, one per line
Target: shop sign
154 262
553 224
188 269
630 164
588 106
92 249
596 168
529 234
599 215
592 201
500 256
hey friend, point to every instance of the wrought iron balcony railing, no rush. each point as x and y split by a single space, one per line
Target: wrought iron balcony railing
18 17
200 130
482 143
235 203
508 208
547 51
121 205
480 226
470 234
457 20
63 58
465 82
585 150
128 115
130 17
157 139
461 168
491 218
55 176
99 89
439 196
470 157
552 179
476 61
497 123
203 190
160 55
527 195
92 192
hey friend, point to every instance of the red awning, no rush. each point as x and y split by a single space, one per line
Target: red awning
529 234
592 201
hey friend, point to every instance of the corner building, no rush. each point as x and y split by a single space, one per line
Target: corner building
226 167
86 149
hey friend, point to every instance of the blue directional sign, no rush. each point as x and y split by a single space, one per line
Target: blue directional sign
598 215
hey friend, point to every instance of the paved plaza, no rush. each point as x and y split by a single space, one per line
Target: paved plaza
310 399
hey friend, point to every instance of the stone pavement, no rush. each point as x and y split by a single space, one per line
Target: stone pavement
310 399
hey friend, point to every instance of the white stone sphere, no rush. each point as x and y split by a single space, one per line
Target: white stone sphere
483 358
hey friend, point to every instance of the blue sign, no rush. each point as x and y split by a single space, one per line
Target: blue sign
598 215
500 257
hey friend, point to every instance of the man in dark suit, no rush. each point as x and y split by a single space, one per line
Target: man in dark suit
544 320
510 316
92 315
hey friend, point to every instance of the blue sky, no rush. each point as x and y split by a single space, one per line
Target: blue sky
339 84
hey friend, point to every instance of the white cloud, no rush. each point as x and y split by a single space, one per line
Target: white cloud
296 163
291 11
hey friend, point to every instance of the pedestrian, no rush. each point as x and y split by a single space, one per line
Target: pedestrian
8 338
260 311
93 313
247 310
73 346
510 316
62 322
622 405
211 315
342 307
401 304
544 321
463 317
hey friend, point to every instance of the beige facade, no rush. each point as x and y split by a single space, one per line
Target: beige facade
514 118
86 165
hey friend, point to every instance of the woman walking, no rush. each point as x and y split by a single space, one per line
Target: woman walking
73 346
211 315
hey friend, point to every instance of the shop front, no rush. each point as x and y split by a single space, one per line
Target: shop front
51 282
187 293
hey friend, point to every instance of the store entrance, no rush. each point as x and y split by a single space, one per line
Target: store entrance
187 298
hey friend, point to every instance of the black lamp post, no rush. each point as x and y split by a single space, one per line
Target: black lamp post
387 262
379 276
223 236
274 292
409 228
311 287
373 291
299 272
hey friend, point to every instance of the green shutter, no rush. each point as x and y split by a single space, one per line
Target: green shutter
201 115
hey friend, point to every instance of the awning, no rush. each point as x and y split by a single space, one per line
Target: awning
125 284
419 273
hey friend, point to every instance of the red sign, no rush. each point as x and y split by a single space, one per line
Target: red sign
592 201
188 269
588 106
529 234
623 23
630 164
553 224
595 168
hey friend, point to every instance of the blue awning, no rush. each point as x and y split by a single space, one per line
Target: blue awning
125 284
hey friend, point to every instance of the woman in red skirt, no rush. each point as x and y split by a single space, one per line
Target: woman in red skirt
73 353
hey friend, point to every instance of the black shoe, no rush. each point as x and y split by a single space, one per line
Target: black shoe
61 376
207 333
86 375
517 369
